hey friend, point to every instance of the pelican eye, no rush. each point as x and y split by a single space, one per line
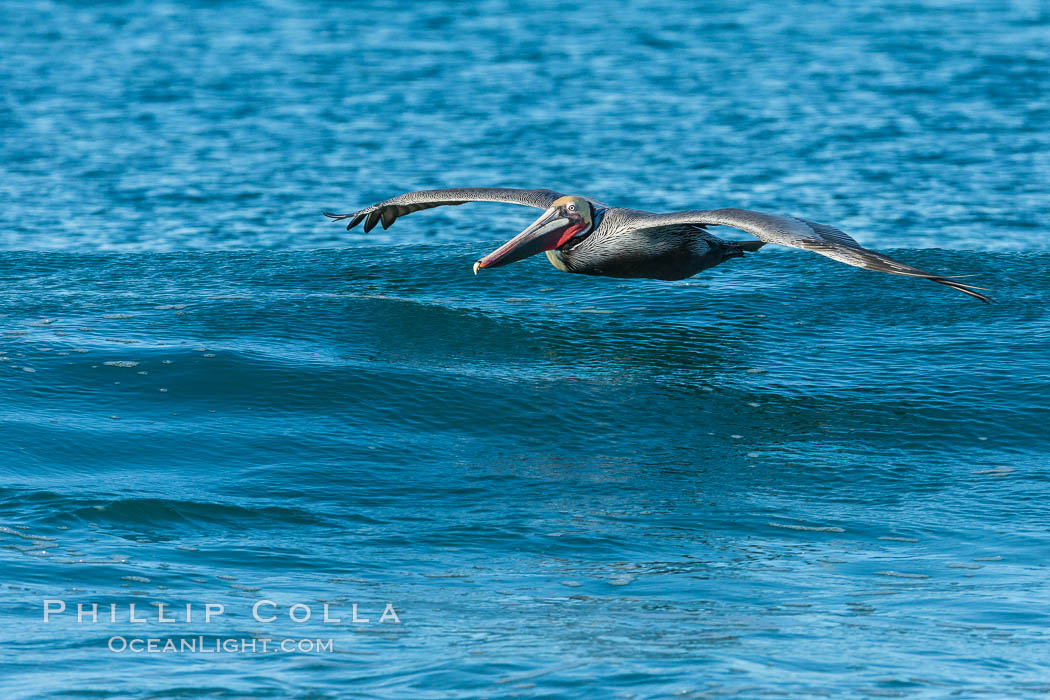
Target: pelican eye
572 207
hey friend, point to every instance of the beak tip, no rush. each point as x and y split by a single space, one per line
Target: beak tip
477 266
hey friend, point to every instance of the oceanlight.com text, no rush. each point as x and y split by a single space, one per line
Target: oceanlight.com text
218 645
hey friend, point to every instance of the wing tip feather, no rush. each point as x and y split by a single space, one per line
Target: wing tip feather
968 289
355 218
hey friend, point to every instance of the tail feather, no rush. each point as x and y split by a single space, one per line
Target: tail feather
748 246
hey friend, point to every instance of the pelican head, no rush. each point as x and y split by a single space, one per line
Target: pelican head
567 219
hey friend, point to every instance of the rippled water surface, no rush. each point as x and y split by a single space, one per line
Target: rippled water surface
785 477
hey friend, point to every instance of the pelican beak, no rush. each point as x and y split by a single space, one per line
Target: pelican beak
551 230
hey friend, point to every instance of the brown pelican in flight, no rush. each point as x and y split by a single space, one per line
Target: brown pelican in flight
580 234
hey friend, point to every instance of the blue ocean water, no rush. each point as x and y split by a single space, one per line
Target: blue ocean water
785 477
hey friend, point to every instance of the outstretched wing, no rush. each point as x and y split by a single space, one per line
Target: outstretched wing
409 202
807 235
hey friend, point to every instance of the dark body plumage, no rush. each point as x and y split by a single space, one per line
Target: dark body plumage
620 242
663 254
620 248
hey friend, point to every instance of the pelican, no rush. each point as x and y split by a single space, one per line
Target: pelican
583 235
